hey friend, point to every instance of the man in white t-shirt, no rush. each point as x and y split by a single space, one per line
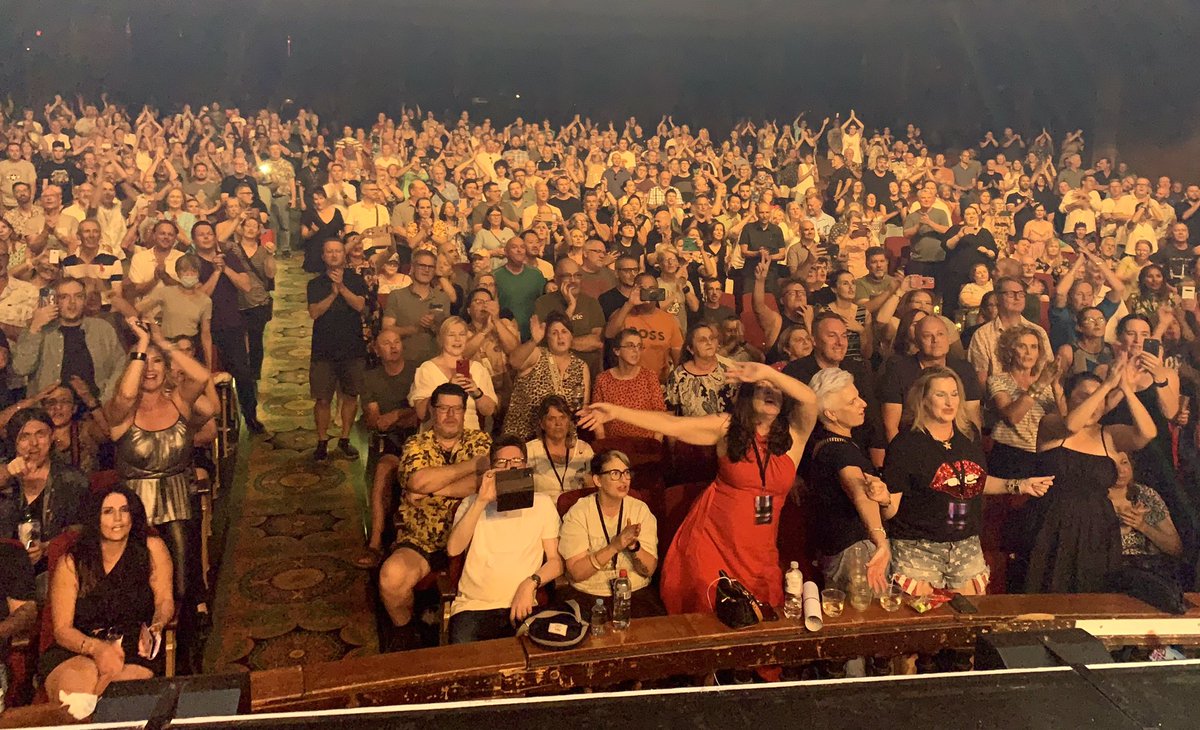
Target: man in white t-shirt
510 555
372 219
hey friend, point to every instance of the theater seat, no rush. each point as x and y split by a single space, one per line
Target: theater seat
677 502
641 451
567 500
897 251
690 463
22 660
99 481
795 530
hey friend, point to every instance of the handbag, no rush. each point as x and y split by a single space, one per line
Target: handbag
556 628
737 607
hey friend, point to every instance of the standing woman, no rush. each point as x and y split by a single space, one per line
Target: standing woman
734 525
1156 388
967 246
321 220
937 475
1152 292
1024 391
154 430
255 304
630 385
490 239
859 323
697 386
111 591
545 365
1077 536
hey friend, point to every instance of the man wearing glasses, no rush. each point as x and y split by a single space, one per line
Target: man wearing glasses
417 310
586 317
438 468
509 554
1010 302
596 277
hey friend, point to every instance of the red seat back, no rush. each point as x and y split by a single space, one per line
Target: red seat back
677 502
55 550
100 481
897 251
691 463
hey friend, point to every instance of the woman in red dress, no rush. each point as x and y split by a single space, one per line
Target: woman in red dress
733 526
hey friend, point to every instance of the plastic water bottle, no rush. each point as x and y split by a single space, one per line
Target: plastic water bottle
599 618
793 586
622 599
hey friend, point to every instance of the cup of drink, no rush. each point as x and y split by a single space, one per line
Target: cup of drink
832 602
860 597
891 599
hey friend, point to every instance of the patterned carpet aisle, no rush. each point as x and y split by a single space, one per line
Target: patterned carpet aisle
288 592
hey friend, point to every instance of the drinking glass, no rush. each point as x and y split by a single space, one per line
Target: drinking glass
891 598
832 602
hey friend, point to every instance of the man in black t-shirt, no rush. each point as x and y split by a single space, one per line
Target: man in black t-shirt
60 171
336 300
877 180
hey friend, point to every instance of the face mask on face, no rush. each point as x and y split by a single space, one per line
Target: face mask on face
189 282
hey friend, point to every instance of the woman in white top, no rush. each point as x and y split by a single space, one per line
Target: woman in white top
560 461
491 238
452 366
607 532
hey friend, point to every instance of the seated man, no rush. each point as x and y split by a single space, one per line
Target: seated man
437 469
385 408
509 554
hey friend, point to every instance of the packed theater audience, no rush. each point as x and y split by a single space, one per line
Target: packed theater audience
903 339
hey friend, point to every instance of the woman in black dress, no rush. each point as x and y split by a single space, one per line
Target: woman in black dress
966 245
321 221
1076 534
110 598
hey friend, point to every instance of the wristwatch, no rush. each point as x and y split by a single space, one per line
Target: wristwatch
537 581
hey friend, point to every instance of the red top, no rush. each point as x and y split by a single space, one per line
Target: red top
642 392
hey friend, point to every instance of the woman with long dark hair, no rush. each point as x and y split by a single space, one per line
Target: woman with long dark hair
322 220
733 526
109 600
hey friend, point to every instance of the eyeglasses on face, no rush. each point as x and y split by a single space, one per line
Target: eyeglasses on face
514 463
448 410
617 474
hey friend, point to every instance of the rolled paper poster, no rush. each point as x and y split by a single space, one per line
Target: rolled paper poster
812 607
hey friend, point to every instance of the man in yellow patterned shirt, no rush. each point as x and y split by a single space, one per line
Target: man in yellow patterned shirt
438 467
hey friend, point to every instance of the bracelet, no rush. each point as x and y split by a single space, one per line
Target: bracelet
595 564
1163 384
1013 486
877 529
137 356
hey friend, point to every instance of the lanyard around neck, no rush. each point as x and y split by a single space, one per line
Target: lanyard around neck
604 527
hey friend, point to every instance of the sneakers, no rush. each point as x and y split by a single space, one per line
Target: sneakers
346 450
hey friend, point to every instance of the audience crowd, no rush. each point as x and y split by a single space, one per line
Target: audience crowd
890 335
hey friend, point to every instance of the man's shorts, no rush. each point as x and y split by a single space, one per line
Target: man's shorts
941 564
325 377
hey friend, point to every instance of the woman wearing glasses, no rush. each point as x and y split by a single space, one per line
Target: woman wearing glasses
733 526
608 532
629 385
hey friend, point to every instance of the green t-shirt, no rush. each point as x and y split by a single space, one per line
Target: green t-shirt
518 292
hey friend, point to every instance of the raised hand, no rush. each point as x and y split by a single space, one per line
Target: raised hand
537 328
596 414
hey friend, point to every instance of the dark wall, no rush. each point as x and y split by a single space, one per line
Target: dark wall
1128 74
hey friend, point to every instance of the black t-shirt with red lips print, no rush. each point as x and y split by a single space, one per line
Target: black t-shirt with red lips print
938 483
